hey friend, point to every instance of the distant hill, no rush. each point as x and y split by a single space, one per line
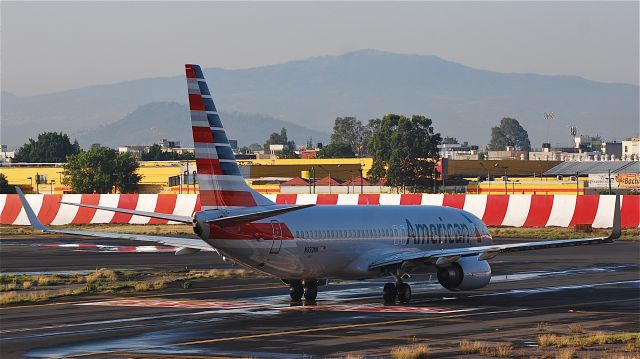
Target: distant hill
463 102
154 121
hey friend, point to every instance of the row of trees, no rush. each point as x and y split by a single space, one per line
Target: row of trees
98 170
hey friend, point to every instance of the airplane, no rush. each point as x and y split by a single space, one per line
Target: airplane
308 245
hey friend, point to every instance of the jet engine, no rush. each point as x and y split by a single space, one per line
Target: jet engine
465 274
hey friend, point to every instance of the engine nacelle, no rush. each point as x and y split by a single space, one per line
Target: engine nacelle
466 274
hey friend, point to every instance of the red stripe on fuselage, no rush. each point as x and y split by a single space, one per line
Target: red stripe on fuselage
250 231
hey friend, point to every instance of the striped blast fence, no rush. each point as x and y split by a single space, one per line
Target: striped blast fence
495 210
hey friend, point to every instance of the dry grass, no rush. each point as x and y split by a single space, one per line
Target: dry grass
566 353
101 275
580 341
543 327
149 285
8 287
100 281
475 347
576 329
410 352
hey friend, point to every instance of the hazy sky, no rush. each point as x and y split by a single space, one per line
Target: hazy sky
56 46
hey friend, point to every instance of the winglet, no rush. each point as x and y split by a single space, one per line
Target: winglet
616 231
33 219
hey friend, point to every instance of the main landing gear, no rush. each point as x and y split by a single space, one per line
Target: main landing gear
400 290
308 289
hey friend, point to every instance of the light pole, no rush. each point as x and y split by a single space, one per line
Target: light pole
506 179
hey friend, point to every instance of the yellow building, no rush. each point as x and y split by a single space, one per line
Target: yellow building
157 175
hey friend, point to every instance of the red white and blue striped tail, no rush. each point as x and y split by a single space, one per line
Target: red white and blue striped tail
221 184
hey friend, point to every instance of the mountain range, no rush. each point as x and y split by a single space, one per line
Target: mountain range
462 101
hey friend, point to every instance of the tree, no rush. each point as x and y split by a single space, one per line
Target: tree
280 139
404 151
336 150
509 133
287 153
349 131
4 185
100 170
50 147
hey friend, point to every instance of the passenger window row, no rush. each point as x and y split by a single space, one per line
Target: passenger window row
351 233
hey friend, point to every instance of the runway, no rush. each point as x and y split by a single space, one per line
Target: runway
595 286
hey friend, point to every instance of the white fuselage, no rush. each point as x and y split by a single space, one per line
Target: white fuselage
340 242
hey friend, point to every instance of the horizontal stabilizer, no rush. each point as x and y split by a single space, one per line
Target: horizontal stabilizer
254 216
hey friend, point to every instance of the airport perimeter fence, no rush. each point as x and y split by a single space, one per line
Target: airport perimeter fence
494 210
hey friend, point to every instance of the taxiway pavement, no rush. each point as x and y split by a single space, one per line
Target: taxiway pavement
597 287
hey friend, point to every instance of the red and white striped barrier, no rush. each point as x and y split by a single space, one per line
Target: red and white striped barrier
495 210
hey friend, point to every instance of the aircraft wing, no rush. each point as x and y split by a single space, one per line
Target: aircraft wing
194 244
444 256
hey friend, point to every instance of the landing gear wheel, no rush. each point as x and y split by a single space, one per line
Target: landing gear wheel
404 292
310 290
296 290
389 293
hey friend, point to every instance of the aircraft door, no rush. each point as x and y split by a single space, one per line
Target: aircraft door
276 244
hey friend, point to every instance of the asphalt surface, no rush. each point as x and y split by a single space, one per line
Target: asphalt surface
597 287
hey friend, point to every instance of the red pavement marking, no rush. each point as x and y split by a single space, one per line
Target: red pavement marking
185 304
380 309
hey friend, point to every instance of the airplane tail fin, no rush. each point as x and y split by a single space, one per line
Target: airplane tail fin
221 184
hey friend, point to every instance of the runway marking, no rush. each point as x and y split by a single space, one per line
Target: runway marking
185 304
218 304
351 326
379 309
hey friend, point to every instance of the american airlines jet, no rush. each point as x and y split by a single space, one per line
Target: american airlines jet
306 246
